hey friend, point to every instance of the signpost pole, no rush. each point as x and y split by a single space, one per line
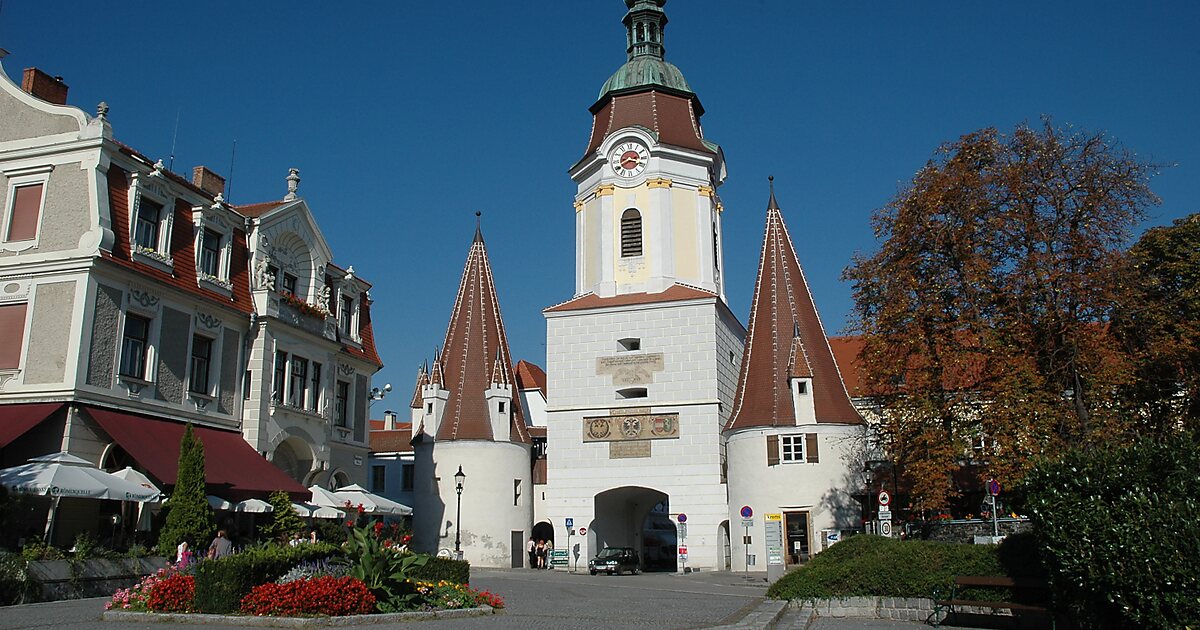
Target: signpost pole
995 521
746 544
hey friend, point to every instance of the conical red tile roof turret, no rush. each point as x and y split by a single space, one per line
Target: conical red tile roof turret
475 344
785 339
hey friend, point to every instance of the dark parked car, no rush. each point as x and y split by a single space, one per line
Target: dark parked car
614 560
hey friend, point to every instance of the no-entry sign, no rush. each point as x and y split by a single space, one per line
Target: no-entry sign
884 497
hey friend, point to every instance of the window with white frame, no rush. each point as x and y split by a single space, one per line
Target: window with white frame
791 448
146 225
210 253
135 346
297 382
21 214
346 316
202 348
279 379
314 391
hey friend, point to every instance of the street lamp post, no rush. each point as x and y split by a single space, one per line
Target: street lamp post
459 478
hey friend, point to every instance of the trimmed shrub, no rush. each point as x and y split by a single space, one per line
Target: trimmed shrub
1120 531
439 569
317 596
284 520
15 585
876 566
221 584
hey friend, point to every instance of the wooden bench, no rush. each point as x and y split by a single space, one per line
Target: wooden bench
977 581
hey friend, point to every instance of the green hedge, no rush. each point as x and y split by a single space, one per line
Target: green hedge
457 571
221 584
1120 529
872 565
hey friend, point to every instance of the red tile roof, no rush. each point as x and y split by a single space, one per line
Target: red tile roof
530 376
391 440
674 293
845 353
255 210
785 332
475 343
674 118
366 333
183 250
537 432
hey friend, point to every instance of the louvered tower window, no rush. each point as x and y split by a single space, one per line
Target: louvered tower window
631 233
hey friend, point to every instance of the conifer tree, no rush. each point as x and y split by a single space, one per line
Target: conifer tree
284 520
189 516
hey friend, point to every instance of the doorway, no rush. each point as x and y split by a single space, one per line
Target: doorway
726 549
518 549
797 528
639 518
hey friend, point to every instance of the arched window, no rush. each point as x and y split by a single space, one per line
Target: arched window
631 233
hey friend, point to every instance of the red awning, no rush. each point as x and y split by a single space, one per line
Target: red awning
229 460
15 420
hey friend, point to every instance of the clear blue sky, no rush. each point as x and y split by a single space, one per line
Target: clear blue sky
407 117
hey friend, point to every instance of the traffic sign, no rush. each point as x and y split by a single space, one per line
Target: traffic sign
747 512
993 487
747 522
884 497
682 517
682 530
582 531
885 528
683 550
885 514
570 522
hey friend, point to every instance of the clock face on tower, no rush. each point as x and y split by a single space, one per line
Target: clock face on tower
628 159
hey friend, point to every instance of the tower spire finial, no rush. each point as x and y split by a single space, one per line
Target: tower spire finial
644 26
772 204
478 227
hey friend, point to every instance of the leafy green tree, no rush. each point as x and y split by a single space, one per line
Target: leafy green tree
1160 323
985 309
189 516
284 520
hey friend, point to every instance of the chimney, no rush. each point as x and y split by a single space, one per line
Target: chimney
208 181
48 88
389 420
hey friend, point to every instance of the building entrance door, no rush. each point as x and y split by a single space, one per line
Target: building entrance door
518 549
797 527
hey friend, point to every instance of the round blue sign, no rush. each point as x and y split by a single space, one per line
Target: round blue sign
682 518
747 512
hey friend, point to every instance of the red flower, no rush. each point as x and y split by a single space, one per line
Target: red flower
174 593
317 596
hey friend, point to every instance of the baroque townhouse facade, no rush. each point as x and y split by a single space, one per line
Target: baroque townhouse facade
133 300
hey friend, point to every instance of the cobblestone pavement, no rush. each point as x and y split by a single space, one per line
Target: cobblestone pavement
534 600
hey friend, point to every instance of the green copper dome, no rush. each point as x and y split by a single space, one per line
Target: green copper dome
645 23
646 70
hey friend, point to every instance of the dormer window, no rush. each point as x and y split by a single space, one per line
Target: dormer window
149 216
210 253
21 215
346 315
801 387
288 285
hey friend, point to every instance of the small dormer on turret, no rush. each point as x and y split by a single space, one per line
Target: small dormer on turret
417 404
434 396
499 395
800 382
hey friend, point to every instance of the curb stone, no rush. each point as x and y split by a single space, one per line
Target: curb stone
765 615
296 622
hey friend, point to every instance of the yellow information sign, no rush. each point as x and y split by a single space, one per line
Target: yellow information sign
775 517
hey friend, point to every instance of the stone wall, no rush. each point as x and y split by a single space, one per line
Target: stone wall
67 579
962 531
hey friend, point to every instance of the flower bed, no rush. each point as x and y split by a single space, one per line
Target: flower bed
445 595
324 595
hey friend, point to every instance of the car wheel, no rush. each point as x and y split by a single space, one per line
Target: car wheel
637 570
593 572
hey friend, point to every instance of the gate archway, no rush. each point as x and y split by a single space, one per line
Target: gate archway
637 517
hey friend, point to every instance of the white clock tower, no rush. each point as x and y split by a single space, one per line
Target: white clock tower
642 361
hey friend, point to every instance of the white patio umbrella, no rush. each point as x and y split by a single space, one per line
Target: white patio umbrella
254 506
143 516
64 475
326 498
217 503
372 503
317 511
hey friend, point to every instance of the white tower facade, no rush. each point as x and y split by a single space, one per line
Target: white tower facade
642 362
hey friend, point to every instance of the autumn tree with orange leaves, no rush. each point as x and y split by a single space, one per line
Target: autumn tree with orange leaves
986 309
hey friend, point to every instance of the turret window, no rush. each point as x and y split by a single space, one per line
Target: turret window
631 233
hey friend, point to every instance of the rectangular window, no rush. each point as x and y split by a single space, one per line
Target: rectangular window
516 492
210 253
298 382
289 284
314 392
406 476
347 314
26 208
791 448
246 385
378 478
12 335
280 379
134 344
145 233
341 408
201 359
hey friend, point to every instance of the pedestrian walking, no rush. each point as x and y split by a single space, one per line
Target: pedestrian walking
220 547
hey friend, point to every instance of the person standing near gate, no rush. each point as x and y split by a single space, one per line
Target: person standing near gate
531 549
541 554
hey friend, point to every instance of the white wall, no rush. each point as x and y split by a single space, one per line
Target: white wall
822 489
